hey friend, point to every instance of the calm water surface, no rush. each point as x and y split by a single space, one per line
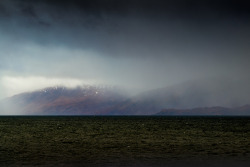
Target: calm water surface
124 141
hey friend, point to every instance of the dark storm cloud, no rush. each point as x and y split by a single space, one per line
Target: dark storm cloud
176 7
183 9
173 29
101 23
147 43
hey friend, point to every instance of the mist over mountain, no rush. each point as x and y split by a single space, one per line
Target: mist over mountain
86 100
188 98
198 93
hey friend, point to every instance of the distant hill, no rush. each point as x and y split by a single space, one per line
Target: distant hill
243 110
87 100
190 98
188 95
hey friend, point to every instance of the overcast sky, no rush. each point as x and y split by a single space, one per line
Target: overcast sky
140 45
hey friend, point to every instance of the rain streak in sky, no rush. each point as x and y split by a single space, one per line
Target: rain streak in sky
138 45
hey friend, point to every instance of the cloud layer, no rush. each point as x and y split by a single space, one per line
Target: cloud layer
139 45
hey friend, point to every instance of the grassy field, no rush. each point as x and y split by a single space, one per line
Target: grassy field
124 141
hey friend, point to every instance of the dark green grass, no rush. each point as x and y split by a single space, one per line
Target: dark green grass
122 141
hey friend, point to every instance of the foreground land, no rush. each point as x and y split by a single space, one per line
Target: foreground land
124 141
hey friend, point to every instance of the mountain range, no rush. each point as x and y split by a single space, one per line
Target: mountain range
183 99
242 110
87 100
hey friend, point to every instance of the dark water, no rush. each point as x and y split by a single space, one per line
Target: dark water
124 141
